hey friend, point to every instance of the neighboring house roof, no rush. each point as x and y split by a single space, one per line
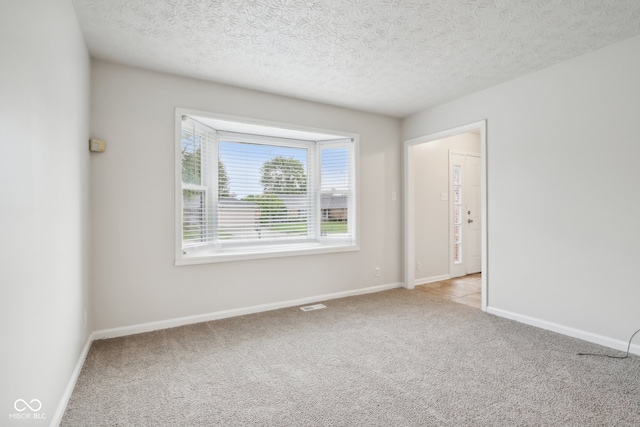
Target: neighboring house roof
332 201
293 202
327 201
230 202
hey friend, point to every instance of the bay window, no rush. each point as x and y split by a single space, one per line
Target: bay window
247 189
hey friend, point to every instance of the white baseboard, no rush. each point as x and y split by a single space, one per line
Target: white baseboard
181 321
62 406
425 280
566 330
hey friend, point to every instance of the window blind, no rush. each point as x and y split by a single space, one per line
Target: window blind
197 143
270 194
336 195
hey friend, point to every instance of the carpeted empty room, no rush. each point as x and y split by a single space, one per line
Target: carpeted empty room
393 358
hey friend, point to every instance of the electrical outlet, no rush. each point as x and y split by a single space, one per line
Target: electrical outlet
418 265
376 272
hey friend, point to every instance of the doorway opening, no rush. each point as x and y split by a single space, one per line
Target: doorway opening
445 213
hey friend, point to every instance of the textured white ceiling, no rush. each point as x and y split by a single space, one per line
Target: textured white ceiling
394 57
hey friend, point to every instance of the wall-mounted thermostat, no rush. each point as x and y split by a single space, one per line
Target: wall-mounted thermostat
97 145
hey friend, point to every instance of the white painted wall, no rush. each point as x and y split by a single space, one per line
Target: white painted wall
133 276
563 197
44 208
431 178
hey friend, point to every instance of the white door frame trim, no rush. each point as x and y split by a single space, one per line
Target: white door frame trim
409 201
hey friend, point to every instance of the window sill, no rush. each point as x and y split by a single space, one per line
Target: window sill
248 253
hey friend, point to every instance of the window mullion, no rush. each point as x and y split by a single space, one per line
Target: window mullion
212 179
315 208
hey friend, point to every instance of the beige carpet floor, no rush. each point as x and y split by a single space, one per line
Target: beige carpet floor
394 358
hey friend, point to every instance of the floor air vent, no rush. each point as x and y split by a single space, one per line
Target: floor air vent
313 307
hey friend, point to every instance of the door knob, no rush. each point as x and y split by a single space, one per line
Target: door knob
469 221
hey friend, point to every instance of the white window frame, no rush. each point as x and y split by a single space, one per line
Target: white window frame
266 130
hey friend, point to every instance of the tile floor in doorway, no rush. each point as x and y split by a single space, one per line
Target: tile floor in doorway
465 289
